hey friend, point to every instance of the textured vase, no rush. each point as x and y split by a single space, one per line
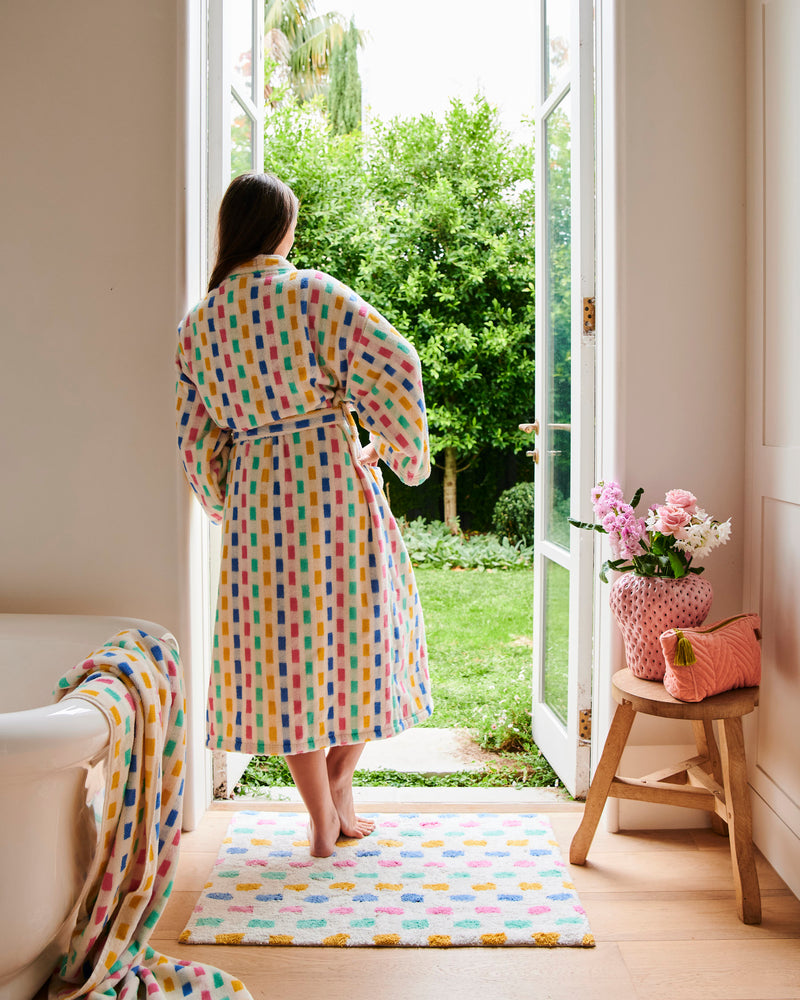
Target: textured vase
646 606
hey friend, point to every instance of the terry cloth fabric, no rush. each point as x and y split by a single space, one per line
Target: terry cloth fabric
136 682
422 880
319 636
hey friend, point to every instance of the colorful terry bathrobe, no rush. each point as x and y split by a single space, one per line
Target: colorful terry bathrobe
319 638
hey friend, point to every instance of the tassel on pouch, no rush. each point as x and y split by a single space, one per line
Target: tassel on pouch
684 654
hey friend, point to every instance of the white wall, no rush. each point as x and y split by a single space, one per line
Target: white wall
92 292
94 507
673 335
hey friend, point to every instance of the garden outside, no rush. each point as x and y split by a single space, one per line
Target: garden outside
477 598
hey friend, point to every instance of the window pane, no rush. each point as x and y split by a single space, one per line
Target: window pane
240 41
557 434
556 26
556 638
241 139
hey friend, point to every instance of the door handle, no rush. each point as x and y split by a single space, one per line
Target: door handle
529 428
534 455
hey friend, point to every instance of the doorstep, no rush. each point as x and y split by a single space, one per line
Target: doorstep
521 800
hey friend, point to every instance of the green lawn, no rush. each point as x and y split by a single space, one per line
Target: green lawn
479 632
478 626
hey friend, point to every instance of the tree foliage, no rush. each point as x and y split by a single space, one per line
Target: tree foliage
301 45
301 41
344 89
432 221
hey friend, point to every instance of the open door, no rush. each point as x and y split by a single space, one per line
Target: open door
564 418
235 146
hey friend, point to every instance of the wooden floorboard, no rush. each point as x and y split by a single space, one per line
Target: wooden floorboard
660 903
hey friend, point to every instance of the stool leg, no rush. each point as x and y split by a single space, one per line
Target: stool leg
707 747
601 782
740 827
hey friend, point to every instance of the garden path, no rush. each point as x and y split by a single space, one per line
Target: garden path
429 751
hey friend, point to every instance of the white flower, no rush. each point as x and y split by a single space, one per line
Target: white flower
724 531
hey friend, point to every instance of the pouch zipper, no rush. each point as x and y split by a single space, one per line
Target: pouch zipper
722 624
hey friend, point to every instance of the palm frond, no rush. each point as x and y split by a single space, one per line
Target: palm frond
302 40
313 49
285 14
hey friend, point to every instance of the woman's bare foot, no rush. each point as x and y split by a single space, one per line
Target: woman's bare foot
310 774
341 763
322 839
351 824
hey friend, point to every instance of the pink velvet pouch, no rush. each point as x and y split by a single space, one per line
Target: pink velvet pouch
712 659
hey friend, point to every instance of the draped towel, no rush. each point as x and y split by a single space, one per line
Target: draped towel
136 682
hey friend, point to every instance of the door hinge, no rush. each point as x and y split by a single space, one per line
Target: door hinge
585 724
588 315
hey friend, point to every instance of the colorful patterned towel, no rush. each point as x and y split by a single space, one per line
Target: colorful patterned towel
418 880
136 682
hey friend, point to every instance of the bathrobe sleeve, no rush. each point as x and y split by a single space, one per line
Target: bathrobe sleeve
204 446
381 374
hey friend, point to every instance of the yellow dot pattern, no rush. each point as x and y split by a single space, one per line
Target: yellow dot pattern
136 681
319 637
435 881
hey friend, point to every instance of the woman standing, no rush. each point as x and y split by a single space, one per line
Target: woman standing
319 642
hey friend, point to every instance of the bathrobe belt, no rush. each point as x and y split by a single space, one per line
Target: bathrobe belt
338 413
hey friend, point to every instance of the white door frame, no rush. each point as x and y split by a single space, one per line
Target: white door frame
565 744
209 86
194 649
772 549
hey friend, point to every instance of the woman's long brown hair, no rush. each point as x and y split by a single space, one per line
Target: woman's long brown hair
256 212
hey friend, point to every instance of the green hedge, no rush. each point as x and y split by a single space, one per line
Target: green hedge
479 488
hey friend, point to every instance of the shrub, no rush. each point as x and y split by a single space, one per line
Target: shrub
513 514
431 543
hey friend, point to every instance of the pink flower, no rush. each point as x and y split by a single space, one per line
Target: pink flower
630 539
672 520
682 498
625 531
606 497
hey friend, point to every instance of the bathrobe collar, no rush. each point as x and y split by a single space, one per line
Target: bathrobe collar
264 262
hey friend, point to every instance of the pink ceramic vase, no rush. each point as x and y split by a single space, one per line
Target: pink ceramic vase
646 606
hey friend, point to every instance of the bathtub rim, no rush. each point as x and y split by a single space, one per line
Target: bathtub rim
71 731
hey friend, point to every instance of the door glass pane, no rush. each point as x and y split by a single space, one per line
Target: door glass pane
240 39
241 139
557 433
556 638
556 26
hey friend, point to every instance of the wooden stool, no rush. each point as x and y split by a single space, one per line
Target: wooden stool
714 780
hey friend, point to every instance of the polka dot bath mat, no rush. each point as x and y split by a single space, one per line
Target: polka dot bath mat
421 880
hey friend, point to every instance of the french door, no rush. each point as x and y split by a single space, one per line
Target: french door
235 133
235 146
564 418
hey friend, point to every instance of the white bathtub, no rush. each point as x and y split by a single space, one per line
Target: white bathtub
52 764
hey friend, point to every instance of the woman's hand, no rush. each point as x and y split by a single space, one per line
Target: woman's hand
369 455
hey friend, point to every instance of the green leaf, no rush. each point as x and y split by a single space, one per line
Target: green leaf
677 564
590 526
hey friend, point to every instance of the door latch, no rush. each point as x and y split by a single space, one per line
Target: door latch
588 315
